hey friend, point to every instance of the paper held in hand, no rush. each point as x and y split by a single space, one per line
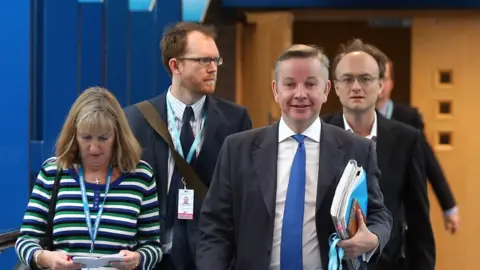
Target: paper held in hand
97 262
351 194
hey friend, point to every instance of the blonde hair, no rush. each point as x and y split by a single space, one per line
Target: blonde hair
97 109
303 51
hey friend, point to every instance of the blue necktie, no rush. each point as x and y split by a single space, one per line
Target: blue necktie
292 228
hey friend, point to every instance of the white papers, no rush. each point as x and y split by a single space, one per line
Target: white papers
351 193
97 262
349 181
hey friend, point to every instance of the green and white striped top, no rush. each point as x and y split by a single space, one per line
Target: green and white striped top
130 219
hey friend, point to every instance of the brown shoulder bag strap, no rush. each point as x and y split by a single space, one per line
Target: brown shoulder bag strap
190 176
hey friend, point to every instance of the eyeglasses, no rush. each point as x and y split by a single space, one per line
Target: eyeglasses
204 61
362 80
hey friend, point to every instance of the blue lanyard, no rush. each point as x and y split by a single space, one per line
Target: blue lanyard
335 253
176 134
93 231
389 109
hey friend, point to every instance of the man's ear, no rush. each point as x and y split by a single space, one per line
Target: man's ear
326 91
274 91
173 64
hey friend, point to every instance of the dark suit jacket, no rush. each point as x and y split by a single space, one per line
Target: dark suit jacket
412 117
237 218
403 181
223 118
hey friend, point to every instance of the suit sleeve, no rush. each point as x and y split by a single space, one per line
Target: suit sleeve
215 244
420 244
434 171
417 121
379 219
246 121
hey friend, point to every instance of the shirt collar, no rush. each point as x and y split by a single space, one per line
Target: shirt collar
373 131
179 107
312 132
383 109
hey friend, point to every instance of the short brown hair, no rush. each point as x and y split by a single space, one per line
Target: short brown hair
174 41
357 45
303 51
97 108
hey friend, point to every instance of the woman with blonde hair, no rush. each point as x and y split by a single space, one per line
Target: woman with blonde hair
106 199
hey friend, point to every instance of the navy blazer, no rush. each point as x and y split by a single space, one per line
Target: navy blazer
237 218
223 118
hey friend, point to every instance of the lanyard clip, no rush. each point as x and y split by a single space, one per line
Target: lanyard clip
184 183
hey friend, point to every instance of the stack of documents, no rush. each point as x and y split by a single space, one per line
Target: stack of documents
351 194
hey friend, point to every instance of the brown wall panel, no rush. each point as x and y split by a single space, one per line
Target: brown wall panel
224 21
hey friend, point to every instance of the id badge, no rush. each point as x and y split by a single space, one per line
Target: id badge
185 204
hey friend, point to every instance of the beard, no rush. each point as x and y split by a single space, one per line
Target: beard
201 87
206 88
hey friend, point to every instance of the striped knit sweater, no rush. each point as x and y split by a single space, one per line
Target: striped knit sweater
129 221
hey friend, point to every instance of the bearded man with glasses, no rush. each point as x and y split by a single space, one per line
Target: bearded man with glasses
359 72
184 159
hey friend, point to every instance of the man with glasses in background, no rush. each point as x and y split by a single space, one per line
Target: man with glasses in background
358 71
197 125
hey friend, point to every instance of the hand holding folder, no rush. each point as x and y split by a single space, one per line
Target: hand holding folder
362 242
351 197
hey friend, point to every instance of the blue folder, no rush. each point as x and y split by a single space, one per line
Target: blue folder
351 189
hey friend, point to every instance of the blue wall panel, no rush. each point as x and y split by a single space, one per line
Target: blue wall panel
15 95
72 46
168 13
90 59
60 67
141 5
194 10
115 24
141 56
36 85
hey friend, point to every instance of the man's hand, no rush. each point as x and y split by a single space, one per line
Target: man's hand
364 241
452 222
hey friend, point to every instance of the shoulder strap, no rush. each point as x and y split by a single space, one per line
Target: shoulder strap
51 209
189 175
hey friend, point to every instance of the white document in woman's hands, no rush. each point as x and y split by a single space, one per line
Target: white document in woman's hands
96 262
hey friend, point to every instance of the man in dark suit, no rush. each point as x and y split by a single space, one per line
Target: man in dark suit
269 202
198 124
359 70
411 116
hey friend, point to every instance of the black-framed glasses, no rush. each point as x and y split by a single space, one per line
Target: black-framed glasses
204 61
362 80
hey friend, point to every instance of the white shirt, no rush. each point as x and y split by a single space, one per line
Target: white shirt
373 131
287 147
178 108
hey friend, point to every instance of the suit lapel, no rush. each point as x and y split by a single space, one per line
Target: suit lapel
330 164
212 123
385 141
266 165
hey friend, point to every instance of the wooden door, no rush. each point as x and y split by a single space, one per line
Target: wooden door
259 42
445 73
